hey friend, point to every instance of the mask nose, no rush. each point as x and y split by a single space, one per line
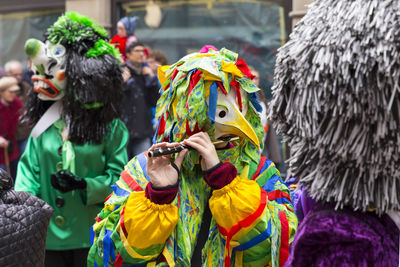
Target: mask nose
36 51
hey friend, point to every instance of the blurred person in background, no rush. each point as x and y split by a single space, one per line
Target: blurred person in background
156 59
125 34
14 69
27 72
10 108
2 72
140 95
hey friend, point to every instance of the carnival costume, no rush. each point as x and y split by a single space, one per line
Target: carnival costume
336 101
252 221
78 145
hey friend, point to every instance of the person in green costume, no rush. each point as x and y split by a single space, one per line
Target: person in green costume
77 148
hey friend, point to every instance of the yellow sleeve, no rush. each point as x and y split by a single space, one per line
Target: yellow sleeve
147 223
255 229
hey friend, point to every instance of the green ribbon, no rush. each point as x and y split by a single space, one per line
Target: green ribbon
68 151
68 156
93 105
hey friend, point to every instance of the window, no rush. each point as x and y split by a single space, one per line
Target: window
254 29
17 27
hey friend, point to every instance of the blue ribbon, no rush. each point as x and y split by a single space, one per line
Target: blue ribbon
270 184
255 240
108 248
171 135
155 134
212 101
254 101
143 163
91 235
119 191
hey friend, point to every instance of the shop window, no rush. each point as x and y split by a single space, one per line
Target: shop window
17 27
254 29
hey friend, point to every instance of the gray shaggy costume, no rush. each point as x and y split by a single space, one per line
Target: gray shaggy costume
336 100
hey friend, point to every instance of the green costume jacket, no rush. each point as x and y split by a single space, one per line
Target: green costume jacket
100 165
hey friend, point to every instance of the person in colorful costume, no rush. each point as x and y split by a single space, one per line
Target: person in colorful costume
336 101
227 207
77 148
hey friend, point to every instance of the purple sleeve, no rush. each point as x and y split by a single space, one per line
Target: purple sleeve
303 204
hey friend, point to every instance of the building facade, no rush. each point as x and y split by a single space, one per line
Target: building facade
254 28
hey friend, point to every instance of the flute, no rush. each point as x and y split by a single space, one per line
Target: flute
176 149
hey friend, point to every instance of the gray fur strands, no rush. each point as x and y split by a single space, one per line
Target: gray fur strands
336 100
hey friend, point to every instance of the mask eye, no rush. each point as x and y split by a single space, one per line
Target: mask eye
222 114
58 51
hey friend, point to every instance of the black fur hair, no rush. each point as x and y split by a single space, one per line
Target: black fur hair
91 80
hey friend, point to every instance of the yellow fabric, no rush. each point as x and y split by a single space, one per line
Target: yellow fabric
245 172
245 230
207 85
204 55
210 77
209 257
98 224
230 67
110 207
151 264
175 104
235 202
168 257
130 250
239 259
151 223
161 73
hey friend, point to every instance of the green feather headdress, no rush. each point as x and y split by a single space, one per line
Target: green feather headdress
190 86
75 30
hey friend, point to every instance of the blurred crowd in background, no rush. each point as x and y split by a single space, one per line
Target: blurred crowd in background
141 91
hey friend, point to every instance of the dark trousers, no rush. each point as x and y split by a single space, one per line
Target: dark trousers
66 258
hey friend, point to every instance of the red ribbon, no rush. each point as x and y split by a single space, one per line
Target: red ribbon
239 96
242 66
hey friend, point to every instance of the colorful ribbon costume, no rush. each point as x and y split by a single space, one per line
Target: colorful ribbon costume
253 221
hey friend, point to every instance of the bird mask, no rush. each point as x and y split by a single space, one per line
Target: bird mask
210 92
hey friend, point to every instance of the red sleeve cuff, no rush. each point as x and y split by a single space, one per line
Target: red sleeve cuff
161 196
221 176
